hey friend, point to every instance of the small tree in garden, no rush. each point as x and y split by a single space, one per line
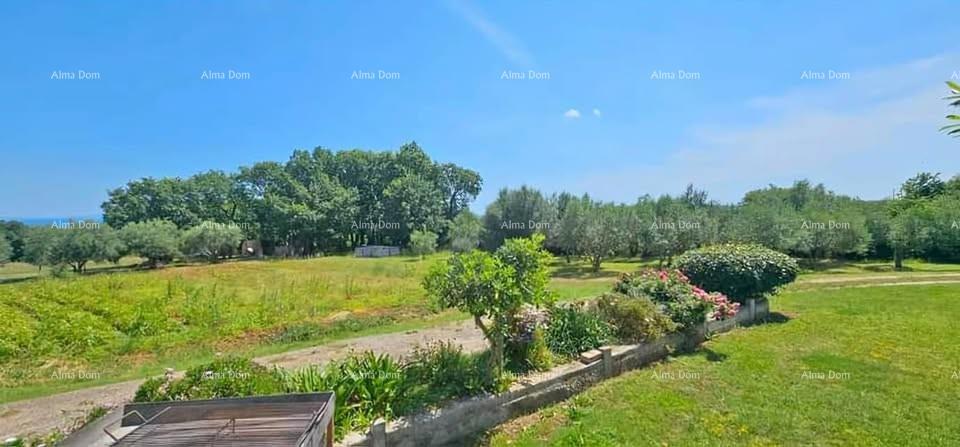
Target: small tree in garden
423 243
493 287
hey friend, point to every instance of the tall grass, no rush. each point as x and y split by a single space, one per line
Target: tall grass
111 321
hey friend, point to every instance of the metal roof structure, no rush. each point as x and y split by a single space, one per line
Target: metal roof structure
292 420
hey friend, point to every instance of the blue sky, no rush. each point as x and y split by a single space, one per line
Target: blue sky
750 118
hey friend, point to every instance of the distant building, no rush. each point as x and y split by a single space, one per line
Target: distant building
376 251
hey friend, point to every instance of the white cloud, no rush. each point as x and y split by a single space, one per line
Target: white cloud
572 113
596 112
861 137
511 48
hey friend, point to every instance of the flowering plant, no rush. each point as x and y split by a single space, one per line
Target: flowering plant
723 308
685 303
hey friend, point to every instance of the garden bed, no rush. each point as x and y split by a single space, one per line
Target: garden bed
464 418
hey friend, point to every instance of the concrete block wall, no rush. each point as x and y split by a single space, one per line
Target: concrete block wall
464 418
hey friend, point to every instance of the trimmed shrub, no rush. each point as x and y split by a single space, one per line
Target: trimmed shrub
573 330
739 271
635 320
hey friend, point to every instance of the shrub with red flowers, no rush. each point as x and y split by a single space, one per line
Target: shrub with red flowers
685 304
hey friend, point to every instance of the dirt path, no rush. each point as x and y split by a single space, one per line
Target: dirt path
44 414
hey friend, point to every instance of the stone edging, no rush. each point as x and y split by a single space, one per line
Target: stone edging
463 418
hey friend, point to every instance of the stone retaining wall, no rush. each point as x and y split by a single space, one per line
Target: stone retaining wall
461 419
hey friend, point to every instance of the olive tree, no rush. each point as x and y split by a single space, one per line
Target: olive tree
211 240
423 243
156 240
38 246
77 245
465 232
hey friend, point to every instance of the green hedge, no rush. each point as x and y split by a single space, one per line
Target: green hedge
740 271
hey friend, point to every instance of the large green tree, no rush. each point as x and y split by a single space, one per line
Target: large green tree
317 201
423 243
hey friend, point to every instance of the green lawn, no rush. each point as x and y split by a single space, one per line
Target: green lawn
856 366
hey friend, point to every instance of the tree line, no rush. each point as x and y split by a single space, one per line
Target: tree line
803 220
322 202
74 244
316 202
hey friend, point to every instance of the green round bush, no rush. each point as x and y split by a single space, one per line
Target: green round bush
740 271
636 319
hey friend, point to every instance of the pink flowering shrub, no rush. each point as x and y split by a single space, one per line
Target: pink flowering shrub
723 307
685 304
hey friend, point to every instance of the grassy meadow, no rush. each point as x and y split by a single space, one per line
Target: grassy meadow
118 323
855 366
105 327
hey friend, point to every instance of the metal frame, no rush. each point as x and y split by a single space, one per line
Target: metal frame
295 420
